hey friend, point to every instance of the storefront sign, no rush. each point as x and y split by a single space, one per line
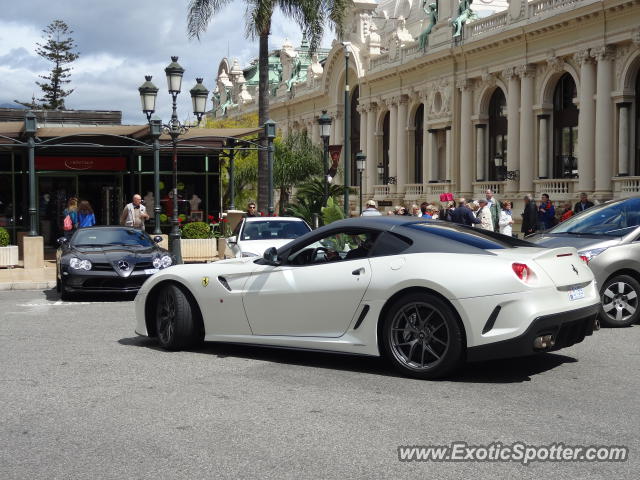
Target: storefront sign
80 163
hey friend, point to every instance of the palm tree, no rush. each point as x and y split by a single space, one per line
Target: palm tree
309 14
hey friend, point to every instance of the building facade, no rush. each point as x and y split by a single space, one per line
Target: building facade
522 97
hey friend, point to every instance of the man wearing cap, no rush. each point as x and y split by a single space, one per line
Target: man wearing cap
463 214
484 215
371 210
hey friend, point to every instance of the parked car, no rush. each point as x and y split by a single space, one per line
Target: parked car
103 259
607 236
253 235
425 294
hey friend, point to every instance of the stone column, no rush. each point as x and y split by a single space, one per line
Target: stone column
480 151
371 172
432 173
401 145
526 159
543 146
604 119
466 137
393 142
426 149
513 125
623 139
586 121
448 154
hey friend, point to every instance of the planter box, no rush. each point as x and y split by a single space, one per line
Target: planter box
198 249
9 256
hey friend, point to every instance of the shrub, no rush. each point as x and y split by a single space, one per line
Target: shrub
196 230
4 237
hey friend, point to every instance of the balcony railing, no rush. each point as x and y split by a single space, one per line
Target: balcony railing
626 186
413 191
381 191
556 188
486 24
497 187
539 7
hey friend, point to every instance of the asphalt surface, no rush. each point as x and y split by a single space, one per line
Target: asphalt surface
83 397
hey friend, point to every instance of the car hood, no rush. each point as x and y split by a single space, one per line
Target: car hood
113 254
579 242
259 246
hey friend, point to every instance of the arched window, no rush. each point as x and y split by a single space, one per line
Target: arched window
385 148
497 136
355 134
565 129
418 123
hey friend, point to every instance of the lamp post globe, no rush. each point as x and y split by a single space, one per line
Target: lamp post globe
199 94
361 160
324 121
174 74
148 93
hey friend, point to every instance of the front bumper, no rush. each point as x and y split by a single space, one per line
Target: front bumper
103 281
567 328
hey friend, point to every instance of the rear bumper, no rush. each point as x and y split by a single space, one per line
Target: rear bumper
567 328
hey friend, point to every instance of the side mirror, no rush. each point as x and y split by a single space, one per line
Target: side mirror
62 240
157 239
270 256
232 240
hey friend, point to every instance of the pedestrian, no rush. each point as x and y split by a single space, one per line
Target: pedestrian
371 210
583 204
433 211
423 210
69 225
415 210
529 217
86 217
447 210
484 215
134 214
252 210
463 214
566 212
546 213
494 208
506 220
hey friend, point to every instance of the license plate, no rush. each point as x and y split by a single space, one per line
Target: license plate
150 271
576 293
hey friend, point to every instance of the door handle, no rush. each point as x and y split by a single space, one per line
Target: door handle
358 271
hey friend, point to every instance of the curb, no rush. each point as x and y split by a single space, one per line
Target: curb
27 285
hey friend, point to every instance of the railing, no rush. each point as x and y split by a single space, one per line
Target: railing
379 60
538 7
381 191
557 189
479 188
486 24
626 186
413 191
439 188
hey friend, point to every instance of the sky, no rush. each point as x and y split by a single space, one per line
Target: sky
121 41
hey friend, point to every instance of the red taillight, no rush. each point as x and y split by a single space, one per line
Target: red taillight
585 259
521 270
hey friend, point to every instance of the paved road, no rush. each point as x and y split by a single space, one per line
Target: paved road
83 397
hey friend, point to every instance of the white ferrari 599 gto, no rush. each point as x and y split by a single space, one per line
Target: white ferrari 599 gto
428 295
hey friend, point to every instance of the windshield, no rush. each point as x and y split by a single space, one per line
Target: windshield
104 237
614 220
273 230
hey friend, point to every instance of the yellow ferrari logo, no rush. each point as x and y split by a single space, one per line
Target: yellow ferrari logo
205 281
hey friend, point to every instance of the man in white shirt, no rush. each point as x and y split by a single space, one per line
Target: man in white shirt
371 210
484 215
134 214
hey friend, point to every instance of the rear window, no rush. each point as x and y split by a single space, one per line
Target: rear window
273 230
473 237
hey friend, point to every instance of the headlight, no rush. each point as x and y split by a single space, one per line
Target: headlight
166 261
78 264
249 254
587 255
157 262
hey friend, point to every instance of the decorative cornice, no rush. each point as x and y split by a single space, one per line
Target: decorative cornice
583 56
635 36
605 52
488 79
508 73
464 84
526 71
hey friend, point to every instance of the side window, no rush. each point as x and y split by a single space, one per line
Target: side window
335 247
390 244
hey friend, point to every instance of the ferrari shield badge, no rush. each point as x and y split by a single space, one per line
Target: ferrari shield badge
205 281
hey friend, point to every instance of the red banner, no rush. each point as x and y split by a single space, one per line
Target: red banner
81 163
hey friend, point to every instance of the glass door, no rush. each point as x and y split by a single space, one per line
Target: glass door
53 194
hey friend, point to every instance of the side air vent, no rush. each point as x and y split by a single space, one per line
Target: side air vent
363 314
224 283
491 321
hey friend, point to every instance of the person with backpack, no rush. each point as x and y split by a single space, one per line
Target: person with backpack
86 217
70 222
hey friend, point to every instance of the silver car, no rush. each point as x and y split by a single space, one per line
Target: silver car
607 237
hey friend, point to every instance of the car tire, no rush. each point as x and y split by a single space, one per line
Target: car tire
175 323
65 295
421 336
619 301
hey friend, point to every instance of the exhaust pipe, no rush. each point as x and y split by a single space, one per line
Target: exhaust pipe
543 342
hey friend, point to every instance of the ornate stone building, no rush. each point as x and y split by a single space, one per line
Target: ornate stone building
523 97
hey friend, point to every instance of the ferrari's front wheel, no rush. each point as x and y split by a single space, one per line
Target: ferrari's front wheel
175 324
421 336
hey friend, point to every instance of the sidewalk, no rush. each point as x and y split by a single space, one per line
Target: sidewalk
33 279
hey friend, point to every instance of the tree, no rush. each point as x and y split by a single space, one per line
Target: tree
309 14
310 197
58 49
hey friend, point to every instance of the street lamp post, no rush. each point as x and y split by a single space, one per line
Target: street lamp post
231 143
347 129
30 129
174 129
270 134
324 121
361 159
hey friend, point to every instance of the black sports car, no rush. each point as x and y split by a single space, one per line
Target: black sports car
99 259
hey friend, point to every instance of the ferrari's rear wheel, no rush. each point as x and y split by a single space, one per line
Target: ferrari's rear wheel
620 301
421 336
175 323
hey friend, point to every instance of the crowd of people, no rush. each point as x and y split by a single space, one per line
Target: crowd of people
489 214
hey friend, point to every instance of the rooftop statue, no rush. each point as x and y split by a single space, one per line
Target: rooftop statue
464 15
432 12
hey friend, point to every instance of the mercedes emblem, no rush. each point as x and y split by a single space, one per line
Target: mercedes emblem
122 265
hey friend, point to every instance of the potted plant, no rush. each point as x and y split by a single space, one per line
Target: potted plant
198 243
8 253
221 231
